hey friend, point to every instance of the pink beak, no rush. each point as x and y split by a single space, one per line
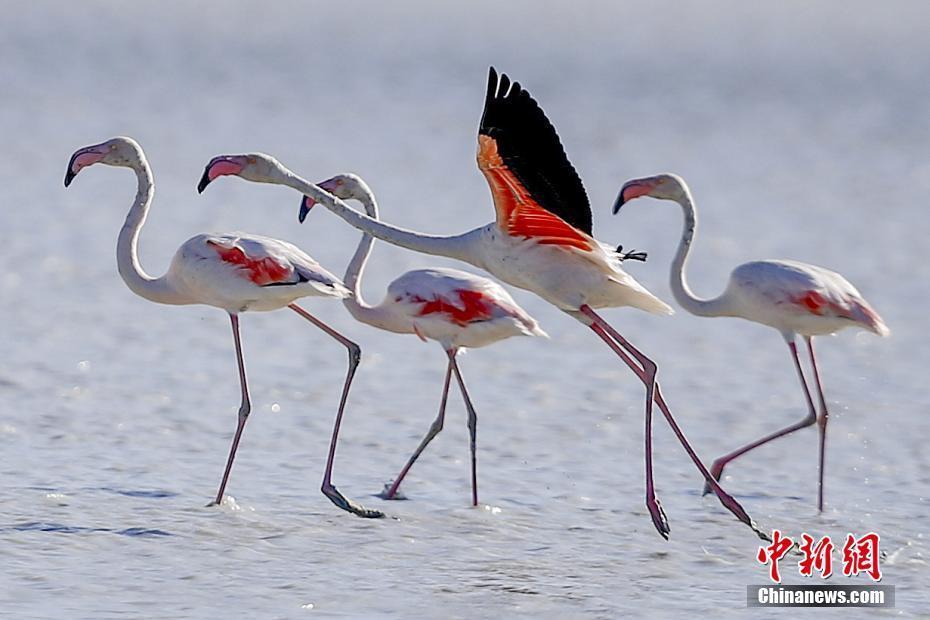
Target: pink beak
306 203
218 167
81 159
629 191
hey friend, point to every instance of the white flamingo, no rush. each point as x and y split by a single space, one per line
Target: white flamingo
234 272
541 241
455 308
794 298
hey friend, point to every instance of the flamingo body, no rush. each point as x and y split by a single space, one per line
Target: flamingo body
798 298
455 308
240 272
566 276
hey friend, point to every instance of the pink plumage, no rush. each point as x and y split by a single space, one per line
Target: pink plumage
800 298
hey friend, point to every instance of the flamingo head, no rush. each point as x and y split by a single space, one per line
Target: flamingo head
257 167
119 151
343 186
662 186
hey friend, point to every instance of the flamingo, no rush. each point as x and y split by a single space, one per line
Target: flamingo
541 242
794 298
455 308
235 272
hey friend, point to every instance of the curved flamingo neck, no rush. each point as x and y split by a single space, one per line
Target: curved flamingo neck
356 305
457 246
718 306
127 257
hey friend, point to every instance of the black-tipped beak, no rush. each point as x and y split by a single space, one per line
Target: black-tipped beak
306 204
70 173
204 180
620 202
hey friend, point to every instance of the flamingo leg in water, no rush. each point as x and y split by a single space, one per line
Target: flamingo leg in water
435 427
728 501
647 375
725 498
244 409
355 354
717 466
472 425
821 422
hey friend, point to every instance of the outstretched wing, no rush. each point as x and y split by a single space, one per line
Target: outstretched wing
536 191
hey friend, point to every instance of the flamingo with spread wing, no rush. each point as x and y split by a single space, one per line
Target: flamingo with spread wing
540 241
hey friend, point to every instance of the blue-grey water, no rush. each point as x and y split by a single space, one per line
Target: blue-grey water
803 130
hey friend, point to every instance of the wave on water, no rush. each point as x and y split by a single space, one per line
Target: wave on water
59 528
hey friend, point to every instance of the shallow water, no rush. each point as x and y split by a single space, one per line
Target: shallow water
803 132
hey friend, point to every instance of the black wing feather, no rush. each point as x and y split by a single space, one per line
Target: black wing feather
530 147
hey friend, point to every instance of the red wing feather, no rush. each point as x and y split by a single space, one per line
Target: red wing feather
515 134
261 271
472 306
815 303
518 214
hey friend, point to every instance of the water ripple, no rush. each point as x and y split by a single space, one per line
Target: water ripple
59 528
152 494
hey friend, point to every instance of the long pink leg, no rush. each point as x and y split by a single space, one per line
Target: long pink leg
647 375
725 498
728 501
244 409
717 466
434 429
472 425
355 354
821 422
